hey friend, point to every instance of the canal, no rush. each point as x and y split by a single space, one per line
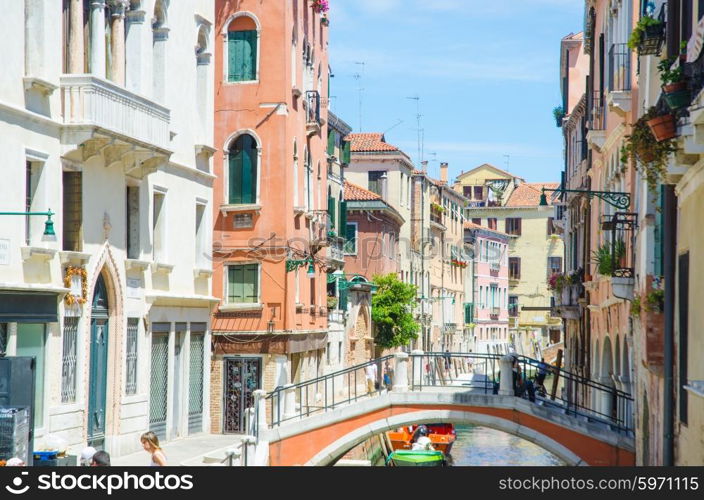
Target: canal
483 446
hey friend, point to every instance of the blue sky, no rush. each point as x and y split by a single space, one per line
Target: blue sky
486 72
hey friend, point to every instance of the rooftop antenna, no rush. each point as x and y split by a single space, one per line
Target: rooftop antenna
418 116
358 77
508 162
399 122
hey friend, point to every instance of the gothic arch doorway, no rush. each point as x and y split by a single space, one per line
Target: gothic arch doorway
97 383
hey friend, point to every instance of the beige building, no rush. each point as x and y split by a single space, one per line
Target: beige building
503 202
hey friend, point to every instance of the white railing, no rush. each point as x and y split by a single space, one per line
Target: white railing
88 100
336 250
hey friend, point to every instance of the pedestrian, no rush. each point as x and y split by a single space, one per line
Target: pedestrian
448 360
388 375
15 462
540 377
370 373
150 443
100 459
87 455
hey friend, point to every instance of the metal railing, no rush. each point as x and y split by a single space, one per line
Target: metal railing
619 68
476 372
597 117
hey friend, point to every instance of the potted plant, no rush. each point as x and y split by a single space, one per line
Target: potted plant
325 21
650 156
655 301
607 257
320 6
673 85
332 302
559 114
647 36
636 306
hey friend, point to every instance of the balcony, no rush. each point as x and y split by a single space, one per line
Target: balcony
312 106
566 302
102 118
494 312
596 136
336 251
619 95
494 268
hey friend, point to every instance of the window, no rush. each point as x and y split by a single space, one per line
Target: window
68 360
131 356
514 268
551 226
376 179
243 157
3 339
467 192
200 235
243 284
513 226
478 222
132 219
159 227
351 239
33 172
242 41
73 211
478 193
554 265
513 306
491 223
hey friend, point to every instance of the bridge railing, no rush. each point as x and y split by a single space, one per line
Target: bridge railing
604 403
325 393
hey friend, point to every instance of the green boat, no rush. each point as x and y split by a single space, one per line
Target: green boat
416 458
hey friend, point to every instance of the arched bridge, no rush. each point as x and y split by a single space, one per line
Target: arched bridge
316 422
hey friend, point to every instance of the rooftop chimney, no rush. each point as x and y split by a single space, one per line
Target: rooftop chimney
443 172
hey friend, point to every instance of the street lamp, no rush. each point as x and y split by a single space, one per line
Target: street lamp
48 224
615 199
311 271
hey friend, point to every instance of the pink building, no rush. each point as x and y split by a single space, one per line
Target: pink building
490 287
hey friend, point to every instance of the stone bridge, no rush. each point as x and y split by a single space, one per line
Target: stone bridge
324 437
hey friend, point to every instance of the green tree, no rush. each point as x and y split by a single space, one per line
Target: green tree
392 307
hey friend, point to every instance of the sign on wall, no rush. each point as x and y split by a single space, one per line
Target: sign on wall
4 252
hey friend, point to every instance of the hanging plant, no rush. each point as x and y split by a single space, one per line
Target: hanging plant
437 208
648 154
558 113
607 259
320 6
71 299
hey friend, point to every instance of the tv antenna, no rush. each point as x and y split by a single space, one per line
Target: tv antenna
508 162
418 129
358 77
399 122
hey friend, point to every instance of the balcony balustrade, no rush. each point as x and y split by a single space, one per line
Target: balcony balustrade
102 118
312 104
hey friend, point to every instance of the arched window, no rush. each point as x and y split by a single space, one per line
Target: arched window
243 157
242 42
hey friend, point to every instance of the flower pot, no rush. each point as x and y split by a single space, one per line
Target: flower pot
676 95
663 127
565 295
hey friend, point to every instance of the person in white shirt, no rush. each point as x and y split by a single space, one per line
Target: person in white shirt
370 373
421 441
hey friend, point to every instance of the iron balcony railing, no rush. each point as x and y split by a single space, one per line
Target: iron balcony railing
619 67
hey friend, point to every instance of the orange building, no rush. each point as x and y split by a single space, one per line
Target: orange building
270 198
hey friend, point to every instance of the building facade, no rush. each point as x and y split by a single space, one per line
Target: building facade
108 302
271 219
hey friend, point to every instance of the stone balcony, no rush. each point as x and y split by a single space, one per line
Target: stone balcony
336 251
102 118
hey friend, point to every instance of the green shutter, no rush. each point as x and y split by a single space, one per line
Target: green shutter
331 142
346 153
235 290
331 212
248 174
242 55
236 177
343 219
351 239
251 282
658 233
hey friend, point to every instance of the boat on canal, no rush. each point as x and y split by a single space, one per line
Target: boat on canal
416 458
442 437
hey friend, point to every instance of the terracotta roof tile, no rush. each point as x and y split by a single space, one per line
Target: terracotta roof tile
369 142
528 194
353 192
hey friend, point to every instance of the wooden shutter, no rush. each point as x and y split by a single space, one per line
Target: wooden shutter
235 177
683 347
242 55
518 226
331 142
251 283
249 171
351 239
331 211
551 227
346 152
343 219
235 288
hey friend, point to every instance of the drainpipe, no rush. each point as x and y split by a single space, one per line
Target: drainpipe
670 251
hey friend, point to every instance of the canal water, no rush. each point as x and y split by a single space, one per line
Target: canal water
483 446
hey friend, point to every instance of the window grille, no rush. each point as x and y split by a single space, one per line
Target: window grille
131 355
68 360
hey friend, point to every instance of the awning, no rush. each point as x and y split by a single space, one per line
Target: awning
18 307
